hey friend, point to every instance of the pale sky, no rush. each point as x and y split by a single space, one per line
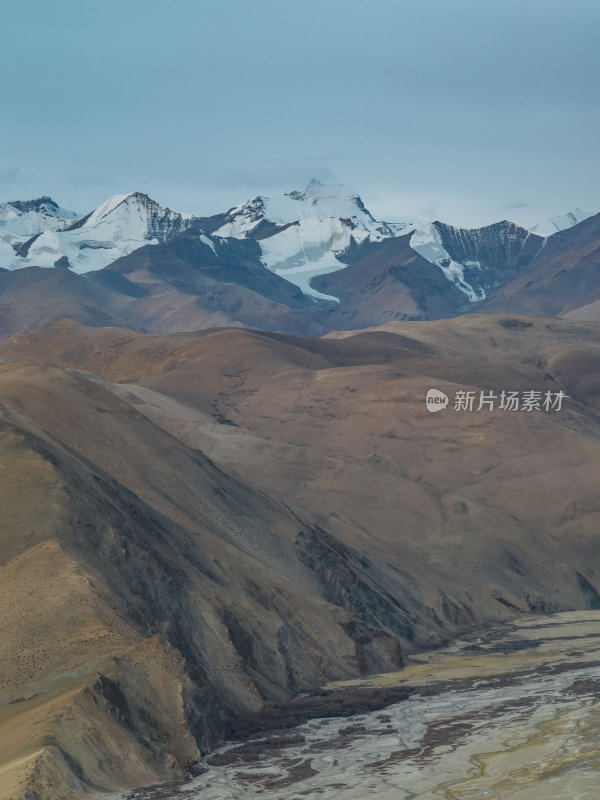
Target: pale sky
467 111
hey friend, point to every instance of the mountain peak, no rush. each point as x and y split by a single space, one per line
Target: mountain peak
42 205
121 224
108 206
316 190
561 222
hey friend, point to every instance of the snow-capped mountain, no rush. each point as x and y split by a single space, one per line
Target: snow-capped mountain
20 220
117 227
299 236
317 201
44 206
479 259
29 217
560 223
303 234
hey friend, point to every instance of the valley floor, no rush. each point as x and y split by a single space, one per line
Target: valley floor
511 713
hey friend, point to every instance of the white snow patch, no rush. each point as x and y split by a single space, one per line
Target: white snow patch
303 251
107 207
561 222
427 243
209 242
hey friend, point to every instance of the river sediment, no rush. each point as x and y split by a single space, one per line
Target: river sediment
513 712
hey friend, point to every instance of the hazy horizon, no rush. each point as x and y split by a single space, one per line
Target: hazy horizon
464 112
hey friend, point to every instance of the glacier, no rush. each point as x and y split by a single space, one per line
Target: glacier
302 234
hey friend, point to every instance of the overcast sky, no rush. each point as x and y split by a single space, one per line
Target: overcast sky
464 110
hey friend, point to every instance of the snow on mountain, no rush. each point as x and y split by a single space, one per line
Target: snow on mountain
110 205
303 233
308 248
117 227
306 233
28 217
562 222
45 206
318 201
479 259
20 220
427 242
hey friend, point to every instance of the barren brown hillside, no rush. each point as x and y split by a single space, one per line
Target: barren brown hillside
232 517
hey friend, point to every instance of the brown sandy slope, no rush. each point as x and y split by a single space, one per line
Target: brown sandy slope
335 522
590 312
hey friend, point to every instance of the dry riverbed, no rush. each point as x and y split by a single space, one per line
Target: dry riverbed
510 713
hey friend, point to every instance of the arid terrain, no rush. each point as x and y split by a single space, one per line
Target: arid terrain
510 713
299 400
197 526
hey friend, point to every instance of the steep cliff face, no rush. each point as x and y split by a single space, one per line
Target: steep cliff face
478 260
562 279
503 244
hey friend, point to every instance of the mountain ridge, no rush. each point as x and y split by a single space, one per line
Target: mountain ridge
313 247
320 271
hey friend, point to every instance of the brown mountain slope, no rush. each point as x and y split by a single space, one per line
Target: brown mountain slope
358 399
590 312
147 596
186 261
336 521
389 281
33 297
